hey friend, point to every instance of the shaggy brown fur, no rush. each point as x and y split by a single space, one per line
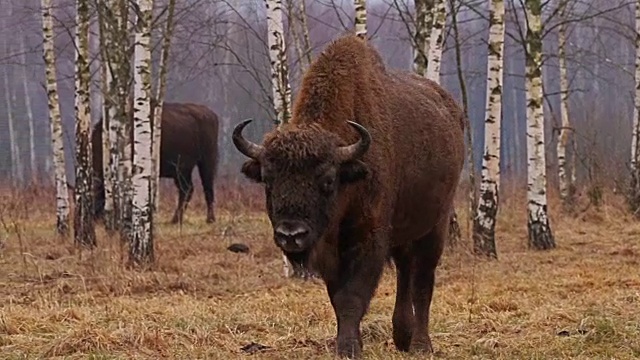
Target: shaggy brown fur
392 202
189 138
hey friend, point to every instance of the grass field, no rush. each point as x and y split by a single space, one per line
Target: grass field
579 301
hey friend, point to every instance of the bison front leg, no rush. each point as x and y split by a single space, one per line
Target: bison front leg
351 292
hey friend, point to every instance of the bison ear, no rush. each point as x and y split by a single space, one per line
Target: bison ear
252 170
352 171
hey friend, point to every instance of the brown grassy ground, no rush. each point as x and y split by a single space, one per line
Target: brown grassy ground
580 301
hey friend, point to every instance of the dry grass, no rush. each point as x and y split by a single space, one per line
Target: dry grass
580 301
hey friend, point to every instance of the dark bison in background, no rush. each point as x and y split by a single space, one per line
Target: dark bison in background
189 138
365 171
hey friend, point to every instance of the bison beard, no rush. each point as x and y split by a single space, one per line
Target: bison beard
366 170
189 138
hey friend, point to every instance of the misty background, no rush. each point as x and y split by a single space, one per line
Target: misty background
219 58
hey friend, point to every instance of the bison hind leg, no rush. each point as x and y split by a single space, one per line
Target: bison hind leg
426 253
184 184
403 316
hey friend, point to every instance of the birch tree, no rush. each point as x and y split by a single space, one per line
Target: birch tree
485 222
361 18
298 18
141 247
564 177
60 176
124 193
633 197
14 150
109 112
157 108
278 58
13 141
423 24
33 167
540 234
84 230
436 43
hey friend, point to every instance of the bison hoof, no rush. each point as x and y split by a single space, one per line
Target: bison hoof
350 348
402 339
422 346
211 220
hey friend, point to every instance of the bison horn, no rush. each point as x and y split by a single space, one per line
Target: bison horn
354 151
245 146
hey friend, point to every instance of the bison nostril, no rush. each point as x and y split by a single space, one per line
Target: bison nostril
295 231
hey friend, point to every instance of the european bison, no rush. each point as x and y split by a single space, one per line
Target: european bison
366 170
189 138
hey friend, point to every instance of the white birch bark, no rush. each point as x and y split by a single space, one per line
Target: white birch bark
84 230
540 235
424 23
485 222
279 67
564 178
634 191
141 247
436 42
57 143
361 18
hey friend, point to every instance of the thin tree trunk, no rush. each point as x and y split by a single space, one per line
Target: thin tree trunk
633 197
423 25
157 108
469 131
293 31
564 178
57 143
540 234
10 100
33 166
125 148
13 148
361 18
306 39
109 140
436 43
84 230
141 247
485 222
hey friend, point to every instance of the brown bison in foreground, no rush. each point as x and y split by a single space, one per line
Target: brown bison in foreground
189 138
345 196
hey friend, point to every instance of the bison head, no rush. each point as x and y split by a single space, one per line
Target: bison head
303 169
